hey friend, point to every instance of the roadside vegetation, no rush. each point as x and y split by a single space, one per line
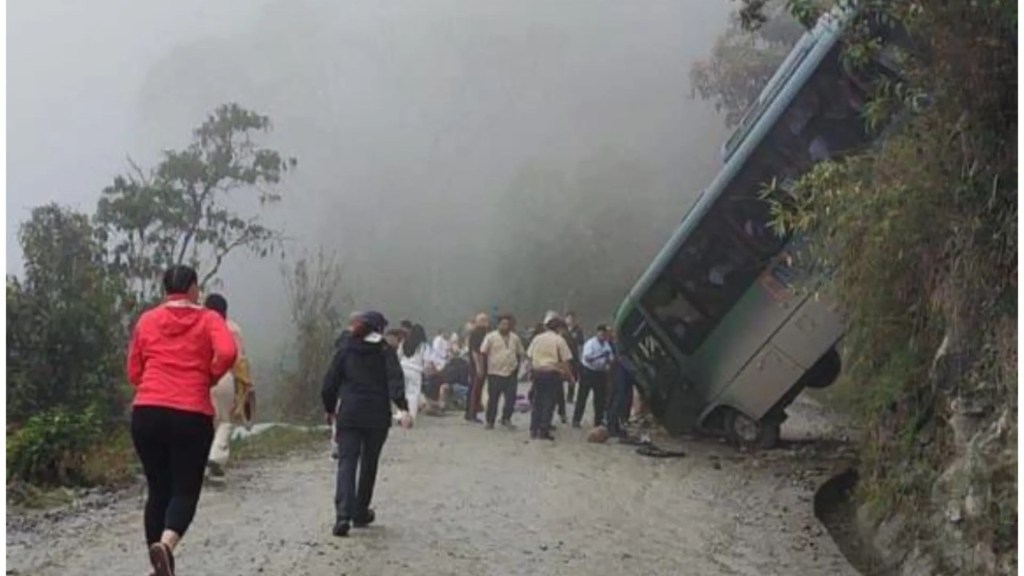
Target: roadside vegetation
921 236
87 278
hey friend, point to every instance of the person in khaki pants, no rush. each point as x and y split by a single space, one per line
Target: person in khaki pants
230 395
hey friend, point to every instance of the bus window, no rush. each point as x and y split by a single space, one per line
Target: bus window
711 272
677 316
749 219
713 268
745 210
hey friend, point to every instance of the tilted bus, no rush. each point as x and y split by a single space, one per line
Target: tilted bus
717 331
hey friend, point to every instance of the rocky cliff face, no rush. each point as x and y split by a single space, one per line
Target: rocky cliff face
966 522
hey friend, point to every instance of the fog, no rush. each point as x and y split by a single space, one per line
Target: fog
456 155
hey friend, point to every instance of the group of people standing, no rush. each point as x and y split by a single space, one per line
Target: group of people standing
187 364
562 366
566 368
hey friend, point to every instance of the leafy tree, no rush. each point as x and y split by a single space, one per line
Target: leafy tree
185 211
64 332
743 60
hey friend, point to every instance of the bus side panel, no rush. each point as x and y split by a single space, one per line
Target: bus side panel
811 332
766 379
742 332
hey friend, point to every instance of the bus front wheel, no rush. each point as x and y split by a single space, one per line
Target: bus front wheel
746 432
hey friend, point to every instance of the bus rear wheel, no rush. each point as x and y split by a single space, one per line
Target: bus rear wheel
825 371
745 432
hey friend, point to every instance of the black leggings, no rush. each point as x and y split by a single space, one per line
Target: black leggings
173 446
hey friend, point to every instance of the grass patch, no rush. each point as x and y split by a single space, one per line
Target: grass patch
276 442
109 463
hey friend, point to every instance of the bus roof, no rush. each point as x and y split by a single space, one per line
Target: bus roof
776 96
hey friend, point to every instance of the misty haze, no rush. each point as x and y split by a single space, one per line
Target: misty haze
436 141
511 287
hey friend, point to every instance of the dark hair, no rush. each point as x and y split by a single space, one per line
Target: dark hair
218 304
506 316
416 338
602 327
178 279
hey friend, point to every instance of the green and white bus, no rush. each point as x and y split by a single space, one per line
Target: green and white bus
715 332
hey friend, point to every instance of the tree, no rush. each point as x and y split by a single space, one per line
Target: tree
179 212
65 337
314 297
743 60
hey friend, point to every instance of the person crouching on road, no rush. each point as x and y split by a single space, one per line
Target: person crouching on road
367 375
229 395
178 351
550 358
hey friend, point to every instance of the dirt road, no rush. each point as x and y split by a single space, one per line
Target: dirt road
454 498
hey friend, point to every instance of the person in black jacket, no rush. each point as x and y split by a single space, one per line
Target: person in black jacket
367 375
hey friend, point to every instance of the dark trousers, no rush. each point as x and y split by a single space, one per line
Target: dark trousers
357 447
498 386
475 389
621 401
545 392
173 446
571 395
560 400
596 382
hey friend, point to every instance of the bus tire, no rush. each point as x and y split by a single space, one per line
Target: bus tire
745 432
825 371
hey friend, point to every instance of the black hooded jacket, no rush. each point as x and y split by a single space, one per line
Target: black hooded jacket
368 377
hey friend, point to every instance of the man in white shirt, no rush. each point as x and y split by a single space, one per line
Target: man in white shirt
550 365
597 363
503 352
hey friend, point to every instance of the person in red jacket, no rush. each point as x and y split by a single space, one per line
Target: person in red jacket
178 351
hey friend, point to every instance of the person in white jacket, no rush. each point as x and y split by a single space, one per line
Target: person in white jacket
439 351
413 354
227 394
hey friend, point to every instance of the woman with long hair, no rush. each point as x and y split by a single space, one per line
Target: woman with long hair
178 352
412 354
367 375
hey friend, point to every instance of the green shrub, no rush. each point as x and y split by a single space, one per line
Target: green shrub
50 448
